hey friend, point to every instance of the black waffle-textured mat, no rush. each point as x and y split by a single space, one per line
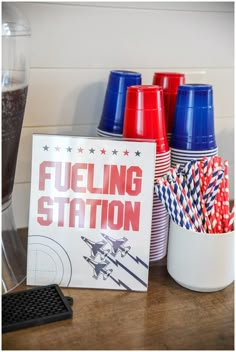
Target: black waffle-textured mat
34 307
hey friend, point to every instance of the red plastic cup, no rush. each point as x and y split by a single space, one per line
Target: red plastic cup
170 82
145 115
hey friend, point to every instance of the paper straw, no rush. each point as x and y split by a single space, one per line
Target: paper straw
205 168
211 198
220 202
214 217
217 161
208 226
172 205
201 175
226 195
179 178
197 195
217 208
186 202
179 212
196 176
190 181
231 219
202 167
187 207
209 173
160 190
179 169
211 184
217 228
209 167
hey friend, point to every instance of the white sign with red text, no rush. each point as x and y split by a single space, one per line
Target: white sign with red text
90 212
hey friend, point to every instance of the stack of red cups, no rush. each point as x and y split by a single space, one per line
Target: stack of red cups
145 119
170 82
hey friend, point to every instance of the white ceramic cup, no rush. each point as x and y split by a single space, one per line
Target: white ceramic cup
199 261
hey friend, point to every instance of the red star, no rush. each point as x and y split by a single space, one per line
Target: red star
126 152
103 151
80 150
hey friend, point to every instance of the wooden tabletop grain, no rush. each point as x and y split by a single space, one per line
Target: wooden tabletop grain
167 317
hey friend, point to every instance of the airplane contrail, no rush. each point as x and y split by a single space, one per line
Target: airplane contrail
138 260
120 283
117 263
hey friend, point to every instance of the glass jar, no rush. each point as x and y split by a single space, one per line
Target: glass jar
15 77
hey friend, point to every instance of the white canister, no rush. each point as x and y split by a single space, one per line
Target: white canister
199 261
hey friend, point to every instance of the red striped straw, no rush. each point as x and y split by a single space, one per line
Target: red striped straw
223 197
217 161
202 167
226 196
205 161
231 219
202 192
190 181
201 175
216 211
209 171
196 175
218 207
213 219
213 179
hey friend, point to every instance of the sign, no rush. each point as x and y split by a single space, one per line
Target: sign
90 212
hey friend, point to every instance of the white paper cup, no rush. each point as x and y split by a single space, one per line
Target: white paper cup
198 261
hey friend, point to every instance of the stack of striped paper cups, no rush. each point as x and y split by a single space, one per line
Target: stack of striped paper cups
145 118
112 118
193 134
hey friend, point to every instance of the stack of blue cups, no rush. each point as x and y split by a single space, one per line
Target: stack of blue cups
112 118
193 135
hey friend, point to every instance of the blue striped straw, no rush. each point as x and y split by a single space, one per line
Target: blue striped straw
197 188
189 196
176 209
160 192
188 170
179 169
186 203
172 206
211 184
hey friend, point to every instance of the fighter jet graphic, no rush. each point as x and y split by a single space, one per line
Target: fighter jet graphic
117 245
99 268
97 248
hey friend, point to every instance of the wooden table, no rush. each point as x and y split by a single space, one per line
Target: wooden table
167 317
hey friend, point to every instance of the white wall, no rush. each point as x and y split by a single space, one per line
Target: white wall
76 44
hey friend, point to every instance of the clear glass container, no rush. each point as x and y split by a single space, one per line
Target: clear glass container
15 77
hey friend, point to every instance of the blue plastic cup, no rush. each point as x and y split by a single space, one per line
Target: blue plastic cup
194 118
112 117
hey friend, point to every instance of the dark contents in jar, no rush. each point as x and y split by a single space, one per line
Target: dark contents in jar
13 107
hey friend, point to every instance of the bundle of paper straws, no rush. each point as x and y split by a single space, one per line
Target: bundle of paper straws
197 196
